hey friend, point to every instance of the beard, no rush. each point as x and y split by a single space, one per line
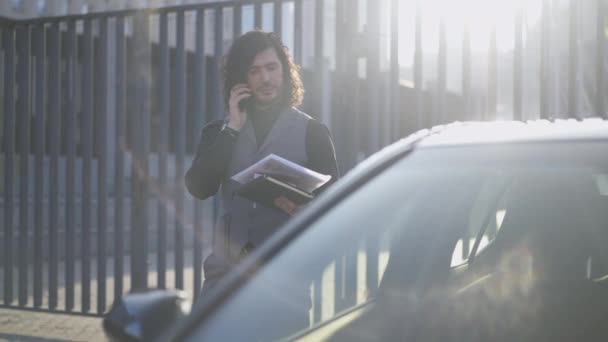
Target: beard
280 100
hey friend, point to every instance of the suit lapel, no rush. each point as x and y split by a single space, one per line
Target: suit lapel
249 133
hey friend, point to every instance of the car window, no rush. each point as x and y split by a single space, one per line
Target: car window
341 263
597 267
486 217
602 184
396 232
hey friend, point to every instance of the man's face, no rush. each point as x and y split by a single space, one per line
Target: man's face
265 78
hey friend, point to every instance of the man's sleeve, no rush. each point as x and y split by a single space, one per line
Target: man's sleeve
321 152
212 157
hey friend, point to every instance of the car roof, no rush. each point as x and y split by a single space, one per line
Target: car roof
467 133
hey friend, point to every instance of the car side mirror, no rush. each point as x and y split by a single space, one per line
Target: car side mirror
142 316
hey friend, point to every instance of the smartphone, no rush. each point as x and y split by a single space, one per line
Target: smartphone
245 104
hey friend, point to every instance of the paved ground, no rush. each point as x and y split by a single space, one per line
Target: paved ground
25 325
28 325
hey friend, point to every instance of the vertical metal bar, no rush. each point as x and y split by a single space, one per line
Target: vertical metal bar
102 186
340 101
350 276
317 295
319 30
8 37
139 166
199 114
217 104
163 143
418 68
180 144
297 31
54 124
144 151
86 134
394 77
373 71
319 91
238 20
348 28
70 203
121 82
442 61
492 76
466 246
573 61
372 251
600 108
257 15
518 59
23 105
38 139
348 113
544 50
338 284
466 74
278 18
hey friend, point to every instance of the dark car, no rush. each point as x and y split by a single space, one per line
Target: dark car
466 232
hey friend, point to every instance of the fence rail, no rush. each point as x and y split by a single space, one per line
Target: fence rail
101 115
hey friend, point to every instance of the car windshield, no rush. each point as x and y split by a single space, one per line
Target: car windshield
418 227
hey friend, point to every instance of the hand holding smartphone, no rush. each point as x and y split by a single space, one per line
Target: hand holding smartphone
239 95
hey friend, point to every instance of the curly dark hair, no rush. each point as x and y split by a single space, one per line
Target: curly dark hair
240 56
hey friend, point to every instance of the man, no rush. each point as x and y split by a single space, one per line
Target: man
262 87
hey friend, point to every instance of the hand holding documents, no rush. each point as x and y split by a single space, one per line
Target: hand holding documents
274 176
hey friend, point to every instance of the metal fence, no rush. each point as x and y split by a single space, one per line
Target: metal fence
101 114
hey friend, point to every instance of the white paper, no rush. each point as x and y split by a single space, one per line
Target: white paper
283 170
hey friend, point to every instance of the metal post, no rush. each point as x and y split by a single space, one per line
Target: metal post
573 62
397 121
217 104
199 115
518 59
39 109
373 73
373 84
23 132
442 61
257 15
278 18
466 75
70 204
121 145
600 105
238 20
418 69
139 165
163 147
492 77
8 37
346 111
297 30
318 89
102 186
544 61
86 135
54 118
180 144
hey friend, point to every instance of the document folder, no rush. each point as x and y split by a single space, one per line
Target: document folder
265 189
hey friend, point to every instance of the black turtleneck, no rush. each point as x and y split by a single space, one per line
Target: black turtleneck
262 121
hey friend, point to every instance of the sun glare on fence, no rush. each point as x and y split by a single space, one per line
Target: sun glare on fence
480 16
